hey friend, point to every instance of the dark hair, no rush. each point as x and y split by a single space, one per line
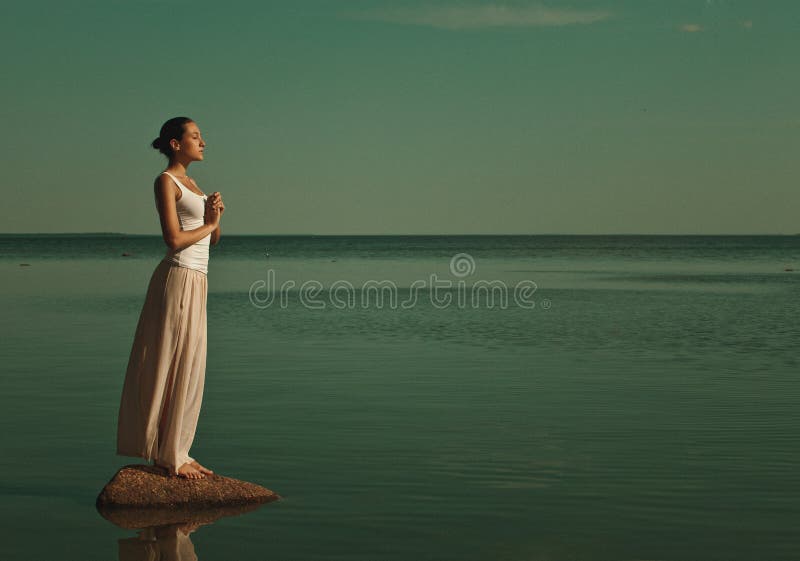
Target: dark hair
174 128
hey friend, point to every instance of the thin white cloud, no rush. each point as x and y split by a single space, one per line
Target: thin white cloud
480 16
691 28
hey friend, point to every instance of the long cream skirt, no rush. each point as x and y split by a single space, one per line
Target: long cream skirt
163 387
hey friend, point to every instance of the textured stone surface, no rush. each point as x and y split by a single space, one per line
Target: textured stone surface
149 487
138 518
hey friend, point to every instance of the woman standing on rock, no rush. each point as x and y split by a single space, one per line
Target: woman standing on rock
163 387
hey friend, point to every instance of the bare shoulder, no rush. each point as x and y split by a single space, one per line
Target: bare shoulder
164 185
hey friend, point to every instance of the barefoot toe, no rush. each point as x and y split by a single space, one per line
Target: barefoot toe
202 469
189 472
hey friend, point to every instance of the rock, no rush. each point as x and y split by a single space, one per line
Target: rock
150 487
139 518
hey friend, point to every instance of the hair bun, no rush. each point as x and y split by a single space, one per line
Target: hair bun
174 128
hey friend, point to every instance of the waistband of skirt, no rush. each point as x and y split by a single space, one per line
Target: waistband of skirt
169 263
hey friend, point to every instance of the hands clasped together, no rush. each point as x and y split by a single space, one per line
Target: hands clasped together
214 208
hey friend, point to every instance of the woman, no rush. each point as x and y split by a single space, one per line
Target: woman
164 381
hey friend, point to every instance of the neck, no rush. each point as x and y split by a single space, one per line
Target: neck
177 168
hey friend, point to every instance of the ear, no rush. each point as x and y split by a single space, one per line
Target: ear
175 145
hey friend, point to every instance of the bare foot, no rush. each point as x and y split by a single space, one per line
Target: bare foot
204 470
188 471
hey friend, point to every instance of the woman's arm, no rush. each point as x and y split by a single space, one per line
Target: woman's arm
174 237
215 235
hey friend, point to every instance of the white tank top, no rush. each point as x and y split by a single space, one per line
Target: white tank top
191 211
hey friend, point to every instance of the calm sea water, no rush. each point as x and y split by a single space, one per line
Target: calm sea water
644 407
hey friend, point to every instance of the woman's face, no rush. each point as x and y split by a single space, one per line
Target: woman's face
192 143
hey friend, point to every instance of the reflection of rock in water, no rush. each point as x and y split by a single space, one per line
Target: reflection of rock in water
162 543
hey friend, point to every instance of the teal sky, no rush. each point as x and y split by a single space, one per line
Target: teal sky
378 117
